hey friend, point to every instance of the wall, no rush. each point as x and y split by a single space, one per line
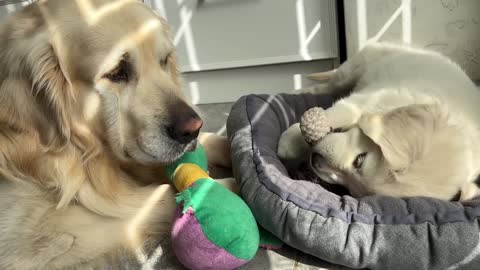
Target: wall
449 26
8 6
229 48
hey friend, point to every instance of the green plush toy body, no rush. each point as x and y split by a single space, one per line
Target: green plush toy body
214 228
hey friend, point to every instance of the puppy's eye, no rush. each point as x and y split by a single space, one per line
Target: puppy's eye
339 130
121 73
165 60
358 162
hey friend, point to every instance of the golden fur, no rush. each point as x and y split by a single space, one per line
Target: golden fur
80 152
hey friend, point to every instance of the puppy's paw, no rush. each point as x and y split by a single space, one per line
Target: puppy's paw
292 144
469 191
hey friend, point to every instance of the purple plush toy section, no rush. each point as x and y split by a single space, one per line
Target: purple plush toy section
194 250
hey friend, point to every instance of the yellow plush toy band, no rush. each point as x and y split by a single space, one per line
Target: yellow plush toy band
186 174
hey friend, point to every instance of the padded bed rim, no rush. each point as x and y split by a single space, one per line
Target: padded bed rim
465 214
356 245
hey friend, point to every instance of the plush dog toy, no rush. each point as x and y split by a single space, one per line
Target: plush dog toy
213 227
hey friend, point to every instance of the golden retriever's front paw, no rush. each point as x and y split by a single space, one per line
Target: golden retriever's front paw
217 149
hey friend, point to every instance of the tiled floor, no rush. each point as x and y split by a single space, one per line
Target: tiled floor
214 117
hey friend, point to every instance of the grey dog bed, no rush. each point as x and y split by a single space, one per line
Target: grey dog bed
374 232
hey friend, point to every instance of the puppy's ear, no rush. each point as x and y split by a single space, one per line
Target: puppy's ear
403 133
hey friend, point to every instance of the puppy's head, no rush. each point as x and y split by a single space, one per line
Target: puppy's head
409 151
120 62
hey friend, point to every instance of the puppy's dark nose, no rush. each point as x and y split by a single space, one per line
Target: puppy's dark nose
185 124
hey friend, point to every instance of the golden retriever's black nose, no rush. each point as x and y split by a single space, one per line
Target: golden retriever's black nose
185 125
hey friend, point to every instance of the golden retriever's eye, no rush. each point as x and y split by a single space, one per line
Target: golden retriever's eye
165 60
121 73
358 162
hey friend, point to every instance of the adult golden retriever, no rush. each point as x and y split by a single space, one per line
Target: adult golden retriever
90 107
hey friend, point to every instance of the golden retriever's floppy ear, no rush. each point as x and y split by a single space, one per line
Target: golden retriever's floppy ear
29 53
51 86
56 96
403 133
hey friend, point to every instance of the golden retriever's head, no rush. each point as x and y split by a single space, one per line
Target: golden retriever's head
114 62
409 151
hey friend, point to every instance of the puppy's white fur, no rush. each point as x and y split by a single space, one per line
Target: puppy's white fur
415 116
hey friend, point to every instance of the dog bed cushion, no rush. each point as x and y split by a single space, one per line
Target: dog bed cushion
375 232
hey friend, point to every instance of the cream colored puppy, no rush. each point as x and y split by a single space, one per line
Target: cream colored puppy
409 127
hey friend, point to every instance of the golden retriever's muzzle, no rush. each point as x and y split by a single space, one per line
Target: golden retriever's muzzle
168 137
